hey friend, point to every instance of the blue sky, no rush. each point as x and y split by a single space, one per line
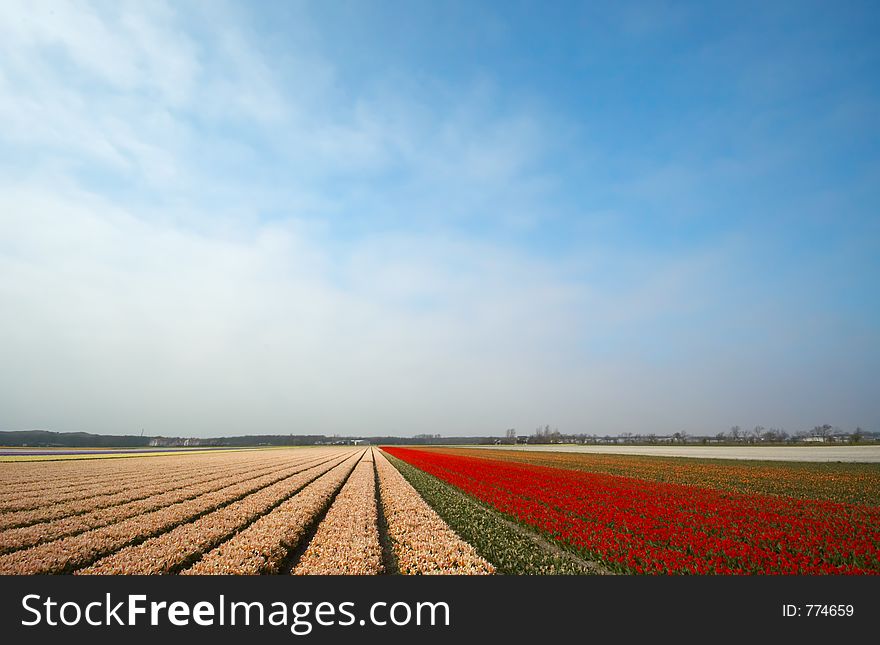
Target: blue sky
439 217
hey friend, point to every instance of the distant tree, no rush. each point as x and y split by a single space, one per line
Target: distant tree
857 436
511 435
721 436
758 433
775 435
735 433
542 434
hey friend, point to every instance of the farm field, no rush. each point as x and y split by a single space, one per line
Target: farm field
636 525
804 453
366 511
63 454
841 482
300 511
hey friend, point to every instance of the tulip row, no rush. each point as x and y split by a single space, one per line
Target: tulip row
513 549
854 483
640 526
421 541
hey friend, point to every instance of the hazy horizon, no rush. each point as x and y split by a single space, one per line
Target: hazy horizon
393 218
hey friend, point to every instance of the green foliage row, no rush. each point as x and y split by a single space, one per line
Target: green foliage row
499 540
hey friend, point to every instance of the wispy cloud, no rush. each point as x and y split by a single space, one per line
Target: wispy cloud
207 228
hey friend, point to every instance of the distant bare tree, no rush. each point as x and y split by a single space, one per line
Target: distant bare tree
757 433
511 435
776 434
735 432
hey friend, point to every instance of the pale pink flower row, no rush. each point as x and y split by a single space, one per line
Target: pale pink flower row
25 536
422 542
39 476
80 550
137 476
54 511
264 546
166 552
32 476
347 540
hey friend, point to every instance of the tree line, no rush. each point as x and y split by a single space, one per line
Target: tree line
736 435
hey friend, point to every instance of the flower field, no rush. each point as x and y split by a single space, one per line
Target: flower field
639 526
347 541
857 483
421 540
302 511
366 511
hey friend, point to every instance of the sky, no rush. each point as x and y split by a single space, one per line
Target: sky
399 218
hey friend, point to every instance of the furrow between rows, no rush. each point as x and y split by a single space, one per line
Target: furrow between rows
67 554
347 539
265 546
53 512
26 536
422 542
181 546
94 495
59 476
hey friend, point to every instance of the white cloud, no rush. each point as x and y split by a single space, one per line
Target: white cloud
200 237
269 330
